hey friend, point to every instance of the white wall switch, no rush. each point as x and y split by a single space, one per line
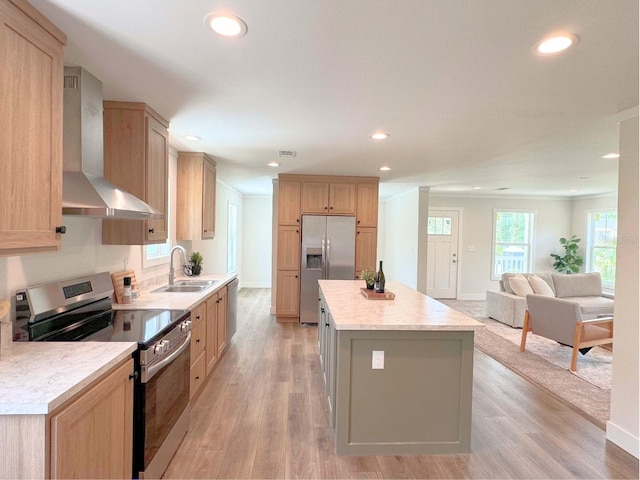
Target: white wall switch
377 359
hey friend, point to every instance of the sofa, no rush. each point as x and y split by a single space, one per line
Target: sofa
508 307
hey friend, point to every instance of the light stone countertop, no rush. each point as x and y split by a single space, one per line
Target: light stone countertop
38 377
410 310
177 300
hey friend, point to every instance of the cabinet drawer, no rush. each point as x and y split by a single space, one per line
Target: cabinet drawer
197 372
198 314
198 340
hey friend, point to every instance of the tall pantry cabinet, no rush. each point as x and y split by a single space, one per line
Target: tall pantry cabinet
320 195
31 74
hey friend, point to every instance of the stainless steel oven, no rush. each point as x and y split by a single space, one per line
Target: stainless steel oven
80 310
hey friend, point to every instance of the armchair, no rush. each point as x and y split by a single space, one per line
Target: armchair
561 320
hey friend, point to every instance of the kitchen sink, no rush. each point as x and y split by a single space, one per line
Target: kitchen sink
185 286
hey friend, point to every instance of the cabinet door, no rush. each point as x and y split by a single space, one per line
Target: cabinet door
209 200
288 202
198 337
366 244
211 349
289 248
367 205
315 197
342 199
31 75
157 175
288 294
198 374
92 437
222 320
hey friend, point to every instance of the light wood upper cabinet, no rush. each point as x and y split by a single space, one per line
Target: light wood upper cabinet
92 436
342 199
288 202
31 74
367 205
328 198
196 196
136 158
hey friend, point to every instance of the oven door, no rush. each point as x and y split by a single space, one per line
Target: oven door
162 412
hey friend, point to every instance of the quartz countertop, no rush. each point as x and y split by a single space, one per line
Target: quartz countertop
410 310
38 377
177 300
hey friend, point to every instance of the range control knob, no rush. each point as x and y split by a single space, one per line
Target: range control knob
185 326
161 347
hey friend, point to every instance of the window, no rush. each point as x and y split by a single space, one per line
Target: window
512 242
157 254
232 238
439 226
602 235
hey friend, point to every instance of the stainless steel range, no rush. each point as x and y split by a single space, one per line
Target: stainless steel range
80 310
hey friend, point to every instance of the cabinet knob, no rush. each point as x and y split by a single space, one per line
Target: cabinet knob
197 377
133 376
297 220
61 229
358 222
152 230
325 207
331 208
197 340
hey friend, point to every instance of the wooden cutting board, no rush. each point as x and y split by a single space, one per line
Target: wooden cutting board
118 283
373 295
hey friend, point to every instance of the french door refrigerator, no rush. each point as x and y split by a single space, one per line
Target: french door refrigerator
328 252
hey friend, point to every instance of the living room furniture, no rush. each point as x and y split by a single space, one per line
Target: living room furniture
583 288
562 320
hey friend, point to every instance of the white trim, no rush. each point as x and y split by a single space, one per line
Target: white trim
628 114
504 197
226 185
625 440
532 239
460 261
255 285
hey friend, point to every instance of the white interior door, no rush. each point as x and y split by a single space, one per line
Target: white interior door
442 253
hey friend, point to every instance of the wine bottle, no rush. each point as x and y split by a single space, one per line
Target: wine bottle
379 285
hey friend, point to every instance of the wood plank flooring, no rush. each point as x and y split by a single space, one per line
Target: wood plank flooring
262 415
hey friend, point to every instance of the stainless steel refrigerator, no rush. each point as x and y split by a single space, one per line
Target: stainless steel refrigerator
328 252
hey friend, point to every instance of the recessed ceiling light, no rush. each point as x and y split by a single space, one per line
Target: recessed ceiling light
611 155
573 190
226 25
476 188
555 44
385 168
380 136
273 164
191 138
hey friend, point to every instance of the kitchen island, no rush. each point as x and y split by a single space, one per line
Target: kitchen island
398 373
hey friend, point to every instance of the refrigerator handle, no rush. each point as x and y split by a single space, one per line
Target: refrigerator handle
324 257
328 257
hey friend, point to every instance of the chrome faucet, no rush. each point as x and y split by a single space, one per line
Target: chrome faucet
182 250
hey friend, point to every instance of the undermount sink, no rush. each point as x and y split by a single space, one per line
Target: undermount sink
185 286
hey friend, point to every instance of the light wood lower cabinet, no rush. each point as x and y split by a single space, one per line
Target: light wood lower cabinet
92 436
198 374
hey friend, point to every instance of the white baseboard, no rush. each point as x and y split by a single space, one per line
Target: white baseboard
255 285
472 296
623 439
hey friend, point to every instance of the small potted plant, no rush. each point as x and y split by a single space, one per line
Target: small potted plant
195 263
571 261
369 276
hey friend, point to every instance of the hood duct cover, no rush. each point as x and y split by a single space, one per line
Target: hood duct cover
84 189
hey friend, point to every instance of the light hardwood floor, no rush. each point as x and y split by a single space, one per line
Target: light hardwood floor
262 415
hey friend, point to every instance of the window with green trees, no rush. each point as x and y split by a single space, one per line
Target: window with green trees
512 242
602 239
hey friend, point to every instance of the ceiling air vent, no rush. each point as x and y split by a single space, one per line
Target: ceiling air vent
286 153
501 188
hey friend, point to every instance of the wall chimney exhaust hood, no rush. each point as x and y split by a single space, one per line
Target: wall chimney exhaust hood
84 189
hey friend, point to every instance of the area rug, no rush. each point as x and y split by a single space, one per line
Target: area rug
543 363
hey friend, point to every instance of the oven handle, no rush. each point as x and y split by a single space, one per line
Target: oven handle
148 375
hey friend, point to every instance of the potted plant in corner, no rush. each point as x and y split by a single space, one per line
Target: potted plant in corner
570 262
195 263
369 276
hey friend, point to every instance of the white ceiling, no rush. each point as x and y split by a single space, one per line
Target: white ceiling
454 82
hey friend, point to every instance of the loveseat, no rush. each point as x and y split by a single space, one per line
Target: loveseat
508 307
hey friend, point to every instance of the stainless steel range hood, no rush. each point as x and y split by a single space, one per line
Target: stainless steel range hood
84 189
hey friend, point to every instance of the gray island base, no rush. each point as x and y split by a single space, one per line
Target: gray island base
398 373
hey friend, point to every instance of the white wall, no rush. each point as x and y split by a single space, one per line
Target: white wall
400 254
553 220
256 247
622 428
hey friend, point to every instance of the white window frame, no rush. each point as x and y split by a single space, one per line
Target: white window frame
530 244
589 245
232 238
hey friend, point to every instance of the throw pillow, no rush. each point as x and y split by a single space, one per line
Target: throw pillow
520 286
540 287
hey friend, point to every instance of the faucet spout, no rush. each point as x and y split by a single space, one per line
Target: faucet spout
183 252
